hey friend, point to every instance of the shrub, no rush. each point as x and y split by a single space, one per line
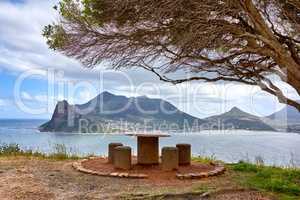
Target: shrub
271 179
245 167
10 149
60 152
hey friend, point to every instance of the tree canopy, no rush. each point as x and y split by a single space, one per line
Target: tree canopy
246 41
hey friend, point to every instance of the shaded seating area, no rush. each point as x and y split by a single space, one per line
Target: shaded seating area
173 162
148 153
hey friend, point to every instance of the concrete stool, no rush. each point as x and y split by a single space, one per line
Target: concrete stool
111 148
122 157
169 158
184 151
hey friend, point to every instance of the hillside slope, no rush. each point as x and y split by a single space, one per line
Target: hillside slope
237 119
109 112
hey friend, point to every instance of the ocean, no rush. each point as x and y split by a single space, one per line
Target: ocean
275 148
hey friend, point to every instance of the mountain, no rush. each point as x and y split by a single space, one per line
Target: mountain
108 112
287 119
288 114
237 119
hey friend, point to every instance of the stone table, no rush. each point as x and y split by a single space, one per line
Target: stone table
148 147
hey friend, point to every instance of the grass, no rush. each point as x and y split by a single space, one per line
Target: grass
205 159
60 152
283 182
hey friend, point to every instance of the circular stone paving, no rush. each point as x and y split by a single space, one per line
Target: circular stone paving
100 166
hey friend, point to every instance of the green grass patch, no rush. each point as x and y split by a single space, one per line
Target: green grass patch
60 152
285 182
205 159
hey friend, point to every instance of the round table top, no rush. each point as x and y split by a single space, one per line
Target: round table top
148 134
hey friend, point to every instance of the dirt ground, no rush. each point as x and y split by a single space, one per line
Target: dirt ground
41 179
156 176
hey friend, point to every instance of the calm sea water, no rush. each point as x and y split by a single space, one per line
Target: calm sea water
282 149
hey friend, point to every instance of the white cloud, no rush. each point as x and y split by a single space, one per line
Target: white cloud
22 46
26 96
86 95
41 98
3 102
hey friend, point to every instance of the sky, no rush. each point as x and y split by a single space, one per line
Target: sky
33 77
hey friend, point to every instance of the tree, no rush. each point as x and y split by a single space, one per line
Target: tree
247 41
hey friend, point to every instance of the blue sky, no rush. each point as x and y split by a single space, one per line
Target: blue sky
45 76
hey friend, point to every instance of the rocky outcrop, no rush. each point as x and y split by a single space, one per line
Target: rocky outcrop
108 112
63 119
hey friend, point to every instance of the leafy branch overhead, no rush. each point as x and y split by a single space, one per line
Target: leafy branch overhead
247 41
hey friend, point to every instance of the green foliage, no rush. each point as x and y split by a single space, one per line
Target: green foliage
93 11
11 149
284 182
56 36
205 159
80 17
245 167
69 9
60 152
